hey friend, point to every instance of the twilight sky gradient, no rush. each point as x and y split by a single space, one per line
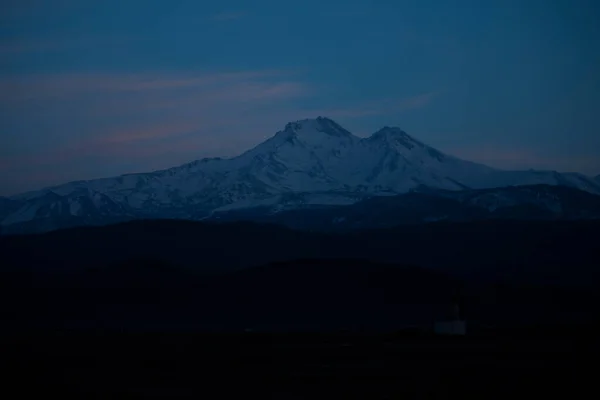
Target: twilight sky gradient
98 88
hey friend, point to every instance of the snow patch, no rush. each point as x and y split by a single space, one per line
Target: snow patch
23 214
74 207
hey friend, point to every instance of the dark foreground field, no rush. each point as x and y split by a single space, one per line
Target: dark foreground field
175 276
301 366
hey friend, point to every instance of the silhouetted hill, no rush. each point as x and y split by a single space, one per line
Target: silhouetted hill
204 246
540 252
313 295
186 275
309 294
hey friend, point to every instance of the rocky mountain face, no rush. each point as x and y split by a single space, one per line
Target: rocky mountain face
309 162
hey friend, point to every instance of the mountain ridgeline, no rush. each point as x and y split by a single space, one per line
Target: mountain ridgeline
313 163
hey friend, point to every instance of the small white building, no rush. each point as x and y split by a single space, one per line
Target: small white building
454 325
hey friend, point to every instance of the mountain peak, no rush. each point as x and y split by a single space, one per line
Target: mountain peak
391 131
319 124
395 136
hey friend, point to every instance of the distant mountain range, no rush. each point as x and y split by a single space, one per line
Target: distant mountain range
310 163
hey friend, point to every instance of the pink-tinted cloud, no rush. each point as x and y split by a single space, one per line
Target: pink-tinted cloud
224 95
41 86
120 137
116 142
140 148
109 124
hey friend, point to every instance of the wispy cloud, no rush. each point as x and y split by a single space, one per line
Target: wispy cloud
134 144
228 16
137 148
150 120
86 125
65 85
140 134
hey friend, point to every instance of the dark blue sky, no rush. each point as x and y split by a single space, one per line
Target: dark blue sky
98 88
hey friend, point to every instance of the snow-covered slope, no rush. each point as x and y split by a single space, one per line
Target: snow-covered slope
538 202
557 201
312 156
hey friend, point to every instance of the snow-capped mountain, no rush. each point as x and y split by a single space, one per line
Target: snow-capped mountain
312 161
